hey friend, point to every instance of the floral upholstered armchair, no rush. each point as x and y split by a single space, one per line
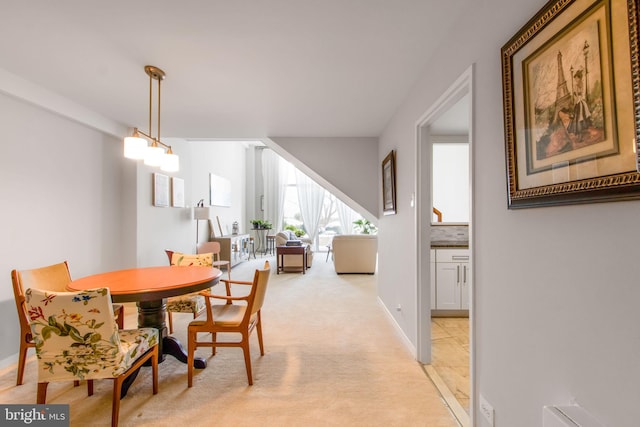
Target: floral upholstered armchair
191 303
77 338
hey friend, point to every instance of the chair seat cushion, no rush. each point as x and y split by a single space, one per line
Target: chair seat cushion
190 303
134 343
223 315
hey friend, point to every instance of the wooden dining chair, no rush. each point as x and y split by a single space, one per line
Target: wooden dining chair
54 277
192 303
77 338
214 248
240 315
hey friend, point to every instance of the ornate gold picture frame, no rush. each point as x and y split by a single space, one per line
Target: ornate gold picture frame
571 101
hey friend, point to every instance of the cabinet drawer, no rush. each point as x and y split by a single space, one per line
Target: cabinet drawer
452 255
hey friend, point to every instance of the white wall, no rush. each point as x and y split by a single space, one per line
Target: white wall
348 165
226 159
62 199
450 175
556 288
160 228
174 228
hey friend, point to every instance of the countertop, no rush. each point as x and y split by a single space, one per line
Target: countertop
443 244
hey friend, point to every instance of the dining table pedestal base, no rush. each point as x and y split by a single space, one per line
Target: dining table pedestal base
152 314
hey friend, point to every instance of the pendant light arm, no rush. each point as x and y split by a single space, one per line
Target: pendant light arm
137 132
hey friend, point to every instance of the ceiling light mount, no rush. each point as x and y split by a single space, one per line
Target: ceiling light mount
137 147
154 72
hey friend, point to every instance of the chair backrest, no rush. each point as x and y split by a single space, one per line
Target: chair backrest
259 289
201 260
76 335
54 277
210 247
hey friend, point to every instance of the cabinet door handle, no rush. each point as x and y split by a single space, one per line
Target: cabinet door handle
465 274
457 274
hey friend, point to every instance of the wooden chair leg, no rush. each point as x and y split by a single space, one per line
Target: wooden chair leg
120 317
22 360
259 332
170 322
154 369
42 393
247 356
191 348
213 343
115 405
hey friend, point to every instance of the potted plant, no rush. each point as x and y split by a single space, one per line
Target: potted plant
297 231
364 226
261 224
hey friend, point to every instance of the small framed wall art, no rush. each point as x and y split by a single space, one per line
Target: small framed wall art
177 192
160 190
389 184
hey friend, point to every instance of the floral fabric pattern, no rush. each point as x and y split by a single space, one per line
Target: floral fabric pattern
190 303
77 338
199 260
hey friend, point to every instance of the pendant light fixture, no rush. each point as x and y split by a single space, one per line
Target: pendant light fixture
137 146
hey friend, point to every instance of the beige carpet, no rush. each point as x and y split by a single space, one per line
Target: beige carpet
331 359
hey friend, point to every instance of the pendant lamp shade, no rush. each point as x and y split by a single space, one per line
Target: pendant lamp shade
135 147
154 156
170 163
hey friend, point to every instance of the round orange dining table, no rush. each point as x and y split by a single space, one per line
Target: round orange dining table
149 287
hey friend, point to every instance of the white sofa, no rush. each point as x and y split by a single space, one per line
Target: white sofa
293 261
355 253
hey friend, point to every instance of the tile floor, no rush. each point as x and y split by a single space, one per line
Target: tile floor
450 355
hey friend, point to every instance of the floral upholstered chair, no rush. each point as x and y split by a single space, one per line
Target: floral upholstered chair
54 277
77 338
190 303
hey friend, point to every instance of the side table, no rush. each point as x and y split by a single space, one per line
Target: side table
281 251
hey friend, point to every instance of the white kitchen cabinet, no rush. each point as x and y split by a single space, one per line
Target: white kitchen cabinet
433 279
452 279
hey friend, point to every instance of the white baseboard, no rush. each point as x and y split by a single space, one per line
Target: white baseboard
399 332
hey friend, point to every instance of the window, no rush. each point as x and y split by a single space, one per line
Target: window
329 221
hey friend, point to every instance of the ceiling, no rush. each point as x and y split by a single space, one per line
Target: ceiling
234 69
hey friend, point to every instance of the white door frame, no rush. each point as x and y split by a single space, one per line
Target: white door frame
462 86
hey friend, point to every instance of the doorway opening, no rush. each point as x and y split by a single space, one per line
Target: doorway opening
452 109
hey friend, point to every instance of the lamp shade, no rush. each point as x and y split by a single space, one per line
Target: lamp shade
202 213
154 156
170 163
135 147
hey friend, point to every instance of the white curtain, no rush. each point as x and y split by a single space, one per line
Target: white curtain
274 173
310 199
347 216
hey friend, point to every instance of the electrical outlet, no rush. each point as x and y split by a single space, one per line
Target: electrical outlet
486 410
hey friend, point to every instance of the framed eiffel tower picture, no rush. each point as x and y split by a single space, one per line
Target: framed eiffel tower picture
571 93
